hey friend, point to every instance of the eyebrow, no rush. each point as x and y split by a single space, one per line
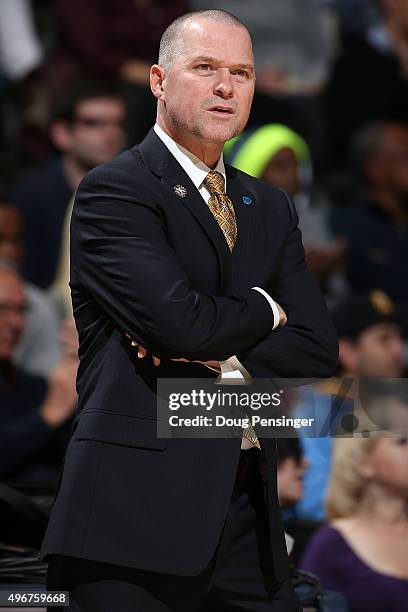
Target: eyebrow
213 60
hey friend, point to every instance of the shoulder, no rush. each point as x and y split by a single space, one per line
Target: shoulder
124 177
328 534
325 551
44 182
126 165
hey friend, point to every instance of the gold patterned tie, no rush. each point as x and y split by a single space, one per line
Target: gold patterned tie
221 206
223 211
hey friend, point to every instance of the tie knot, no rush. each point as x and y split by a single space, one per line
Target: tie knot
214 181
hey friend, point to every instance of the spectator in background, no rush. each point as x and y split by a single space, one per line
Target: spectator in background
278 155
371 346
363 552
114 40
37 350
376 224
87 129
35 415
369 81
291 467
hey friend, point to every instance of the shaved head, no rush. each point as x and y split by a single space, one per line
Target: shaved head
172 42
204 82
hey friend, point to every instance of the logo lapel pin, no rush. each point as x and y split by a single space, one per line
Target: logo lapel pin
247 200
180 190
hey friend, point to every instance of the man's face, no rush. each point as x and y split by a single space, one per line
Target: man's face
96 133
283 171
378 352
208 90
12 312
10 234
290 480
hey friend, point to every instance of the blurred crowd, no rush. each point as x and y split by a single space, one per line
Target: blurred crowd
329 124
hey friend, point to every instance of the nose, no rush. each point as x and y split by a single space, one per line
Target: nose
223 86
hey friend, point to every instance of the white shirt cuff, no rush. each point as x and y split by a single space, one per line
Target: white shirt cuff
233 373
272 304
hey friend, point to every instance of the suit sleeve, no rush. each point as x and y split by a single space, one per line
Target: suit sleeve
306 347
121 253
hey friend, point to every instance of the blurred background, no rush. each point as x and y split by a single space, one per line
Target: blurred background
329 124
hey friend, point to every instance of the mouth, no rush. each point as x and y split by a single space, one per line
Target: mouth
221 110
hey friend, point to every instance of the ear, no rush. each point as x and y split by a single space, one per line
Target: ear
60 135
347 354
157 79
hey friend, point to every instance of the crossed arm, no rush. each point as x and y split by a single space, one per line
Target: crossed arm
212 364
127 264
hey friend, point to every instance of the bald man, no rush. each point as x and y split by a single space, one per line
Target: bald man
195 262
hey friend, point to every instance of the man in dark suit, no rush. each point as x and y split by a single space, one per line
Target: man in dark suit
161 253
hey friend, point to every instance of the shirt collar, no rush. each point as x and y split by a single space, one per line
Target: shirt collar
194 167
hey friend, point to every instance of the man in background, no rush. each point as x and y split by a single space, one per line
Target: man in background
88 128
35 413
37 350
370 346
375 224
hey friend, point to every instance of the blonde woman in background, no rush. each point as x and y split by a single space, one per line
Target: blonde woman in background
363 551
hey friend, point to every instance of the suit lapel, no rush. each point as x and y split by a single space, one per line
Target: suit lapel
164 165
245 214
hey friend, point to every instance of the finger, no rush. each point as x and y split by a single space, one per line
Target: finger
156 361
132 342
141 352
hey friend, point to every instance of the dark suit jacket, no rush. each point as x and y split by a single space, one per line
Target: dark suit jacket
148 262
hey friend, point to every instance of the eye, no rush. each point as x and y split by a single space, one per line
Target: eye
402 441
240 73
204 67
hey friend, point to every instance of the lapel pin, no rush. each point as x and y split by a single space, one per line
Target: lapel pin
180 190
247 200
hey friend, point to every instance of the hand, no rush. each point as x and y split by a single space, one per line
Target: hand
282 315
61 399
142 352
68 338
211 364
